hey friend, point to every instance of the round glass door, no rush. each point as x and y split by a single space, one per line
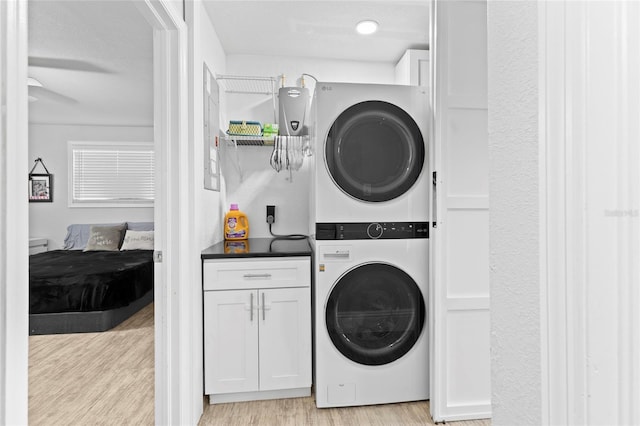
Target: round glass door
374 151
375 314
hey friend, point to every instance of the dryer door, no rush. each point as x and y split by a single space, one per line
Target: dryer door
374 151
375 314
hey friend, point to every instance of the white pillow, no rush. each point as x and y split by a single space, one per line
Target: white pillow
137 240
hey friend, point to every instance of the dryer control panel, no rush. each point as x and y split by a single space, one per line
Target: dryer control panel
371 230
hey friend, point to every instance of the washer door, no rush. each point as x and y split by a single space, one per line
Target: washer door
375 314
374 151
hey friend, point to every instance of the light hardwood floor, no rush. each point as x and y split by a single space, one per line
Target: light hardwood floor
107 379
94 378
303 411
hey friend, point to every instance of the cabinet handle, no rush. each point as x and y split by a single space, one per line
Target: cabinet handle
257 276
263 308
251 308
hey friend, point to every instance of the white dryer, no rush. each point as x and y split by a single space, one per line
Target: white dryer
370 312
371 162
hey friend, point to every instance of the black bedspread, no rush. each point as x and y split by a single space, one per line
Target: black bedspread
77 281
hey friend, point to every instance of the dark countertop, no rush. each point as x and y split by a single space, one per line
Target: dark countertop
257 247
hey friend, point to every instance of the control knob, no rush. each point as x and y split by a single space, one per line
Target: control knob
374 230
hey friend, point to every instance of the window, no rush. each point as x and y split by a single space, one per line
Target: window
111 174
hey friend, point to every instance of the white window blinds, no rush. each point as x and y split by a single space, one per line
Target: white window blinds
111 173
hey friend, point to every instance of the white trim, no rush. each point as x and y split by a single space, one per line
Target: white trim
259 395
434 338
177 378
542 196
14 219
590 301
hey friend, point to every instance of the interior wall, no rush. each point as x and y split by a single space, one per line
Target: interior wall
514 215
208 50
249 179
49 142
204 48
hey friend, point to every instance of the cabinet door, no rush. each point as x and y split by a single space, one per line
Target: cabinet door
285 338
230 341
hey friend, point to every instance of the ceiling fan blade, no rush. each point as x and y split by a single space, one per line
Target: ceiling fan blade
68 64
42 93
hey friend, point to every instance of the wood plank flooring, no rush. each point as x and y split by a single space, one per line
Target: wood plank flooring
303 411
94 378
108 379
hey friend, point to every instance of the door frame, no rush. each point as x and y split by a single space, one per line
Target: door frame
177 382
176 377
14 215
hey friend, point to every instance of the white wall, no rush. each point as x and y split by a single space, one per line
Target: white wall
206 49
250 180
515 217
49 142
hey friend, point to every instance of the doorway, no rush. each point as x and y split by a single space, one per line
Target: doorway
170 134
89 66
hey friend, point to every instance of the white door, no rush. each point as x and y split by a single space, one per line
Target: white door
460 327
231 341
285 338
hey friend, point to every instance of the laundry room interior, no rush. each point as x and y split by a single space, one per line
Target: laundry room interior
250 180
357 230
318 205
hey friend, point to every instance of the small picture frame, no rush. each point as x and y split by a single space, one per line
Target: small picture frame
40 188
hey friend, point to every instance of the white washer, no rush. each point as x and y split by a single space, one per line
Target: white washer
371 334
371 161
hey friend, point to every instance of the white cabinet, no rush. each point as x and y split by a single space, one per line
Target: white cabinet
285 338
257 328
231 341
413 68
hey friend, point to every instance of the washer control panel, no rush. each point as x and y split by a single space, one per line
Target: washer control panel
371 230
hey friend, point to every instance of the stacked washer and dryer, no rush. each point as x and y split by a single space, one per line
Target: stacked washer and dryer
369 222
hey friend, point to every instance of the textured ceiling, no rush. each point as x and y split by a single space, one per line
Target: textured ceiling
320 29
94 58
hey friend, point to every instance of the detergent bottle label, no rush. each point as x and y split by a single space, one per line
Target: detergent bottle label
236 226
234 231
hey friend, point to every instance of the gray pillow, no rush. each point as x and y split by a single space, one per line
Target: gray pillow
140 226
105 238
78 234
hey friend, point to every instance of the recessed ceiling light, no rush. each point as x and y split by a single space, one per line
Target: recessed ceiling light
367 27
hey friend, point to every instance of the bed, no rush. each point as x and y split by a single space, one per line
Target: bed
103 276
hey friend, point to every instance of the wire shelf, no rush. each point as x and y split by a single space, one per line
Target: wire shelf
249 140
247 84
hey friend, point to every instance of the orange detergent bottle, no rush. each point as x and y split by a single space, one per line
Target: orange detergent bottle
236 224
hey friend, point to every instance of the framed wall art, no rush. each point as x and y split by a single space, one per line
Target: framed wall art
40 184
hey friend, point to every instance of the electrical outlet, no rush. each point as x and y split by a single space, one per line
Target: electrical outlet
271 214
